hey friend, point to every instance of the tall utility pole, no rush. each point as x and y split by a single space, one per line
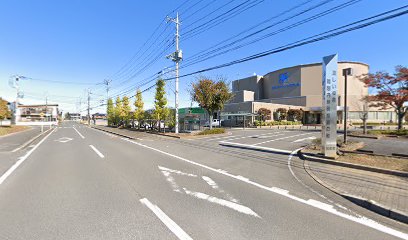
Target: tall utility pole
89 99
107 82
176 57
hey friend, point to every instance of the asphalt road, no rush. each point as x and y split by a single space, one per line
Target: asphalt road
81 183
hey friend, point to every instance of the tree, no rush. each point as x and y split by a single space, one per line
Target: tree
139 111
118 110
295 114
125 113
211 95
4 111
110 111
265 114
282 113
391 91
160 102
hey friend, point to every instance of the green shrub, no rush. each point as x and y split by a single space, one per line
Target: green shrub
402 132
212 131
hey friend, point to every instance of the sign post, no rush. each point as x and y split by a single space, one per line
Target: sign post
329 106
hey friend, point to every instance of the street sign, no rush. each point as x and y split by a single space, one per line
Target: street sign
329 109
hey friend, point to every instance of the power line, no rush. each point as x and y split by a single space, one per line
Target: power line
206 56
312 39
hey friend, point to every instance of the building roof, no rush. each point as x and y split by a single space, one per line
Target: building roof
317 64
39 105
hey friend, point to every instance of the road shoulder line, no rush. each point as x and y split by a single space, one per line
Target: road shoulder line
22 159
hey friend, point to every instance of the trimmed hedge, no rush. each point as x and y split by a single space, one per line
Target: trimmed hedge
403 132
212 131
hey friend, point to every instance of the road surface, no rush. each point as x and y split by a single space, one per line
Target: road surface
82 183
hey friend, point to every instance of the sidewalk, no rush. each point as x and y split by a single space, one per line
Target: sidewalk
382 193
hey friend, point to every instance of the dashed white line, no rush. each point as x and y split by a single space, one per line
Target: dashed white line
22 159
82 136
97 151
362 220
170 224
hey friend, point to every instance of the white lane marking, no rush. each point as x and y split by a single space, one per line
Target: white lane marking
257 135
63 139
22 159
303 139
215 186
97 151
235 206
257 147
82 136
170 224
177 172
362 220
276 139
217 138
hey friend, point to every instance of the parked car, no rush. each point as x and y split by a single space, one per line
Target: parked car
214 123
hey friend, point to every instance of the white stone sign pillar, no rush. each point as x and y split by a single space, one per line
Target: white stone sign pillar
329 106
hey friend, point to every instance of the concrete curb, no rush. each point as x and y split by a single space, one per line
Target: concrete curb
365 203
352 165
30 141
362 136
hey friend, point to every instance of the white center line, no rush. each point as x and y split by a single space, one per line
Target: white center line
97 151
78 132
170 224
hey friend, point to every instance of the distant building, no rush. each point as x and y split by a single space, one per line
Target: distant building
300 87
73 116
37 114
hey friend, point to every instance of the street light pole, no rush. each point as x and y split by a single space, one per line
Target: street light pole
346 72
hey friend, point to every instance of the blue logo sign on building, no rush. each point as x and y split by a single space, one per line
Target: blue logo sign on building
283 82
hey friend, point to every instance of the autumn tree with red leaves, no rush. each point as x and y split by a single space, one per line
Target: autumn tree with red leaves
392 91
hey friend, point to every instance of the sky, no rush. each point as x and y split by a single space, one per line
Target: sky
66 48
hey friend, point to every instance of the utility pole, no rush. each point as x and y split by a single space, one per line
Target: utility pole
107 82
176 57
89 99
346 72
46 108
15 112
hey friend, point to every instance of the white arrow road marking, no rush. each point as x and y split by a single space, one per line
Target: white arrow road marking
170 224
303 139
64 139
359 219
235 206
233 203
214 185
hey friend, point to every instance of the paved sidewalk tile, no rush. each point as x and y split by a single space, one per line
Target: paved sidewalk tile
390 192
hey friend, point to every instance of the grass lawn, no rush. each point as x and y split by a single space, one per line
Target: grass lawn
4 130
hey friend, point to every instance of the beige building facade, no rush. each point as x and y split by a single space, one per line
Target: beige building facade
300 87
